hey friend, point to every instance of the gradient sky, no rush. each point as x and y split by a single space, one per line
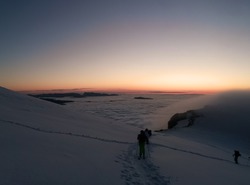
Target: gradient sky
168 45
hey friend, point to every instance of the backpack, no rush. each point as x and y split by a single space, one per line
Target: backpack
141 138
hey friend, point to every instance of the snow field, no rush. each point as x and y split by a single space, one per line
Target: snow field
43 143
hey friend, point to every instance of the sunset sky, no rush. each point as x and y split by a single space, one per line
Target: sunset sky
156 45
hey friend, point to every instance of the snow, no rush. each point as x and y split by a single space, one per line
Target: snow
44 143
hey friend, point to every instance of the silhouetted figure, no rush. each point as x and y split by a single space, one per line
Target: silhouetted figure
147 134
142 138
150 133
191 121
236 155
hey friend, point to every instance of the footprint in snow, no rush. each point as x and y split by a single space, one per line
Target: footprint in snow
140 172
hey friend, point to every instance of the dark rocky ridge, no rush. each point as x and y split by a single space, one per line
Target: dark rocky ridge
189 115
72 95
142 98
51 96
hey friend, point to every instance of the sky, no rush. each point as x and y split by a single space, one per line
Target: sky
155 45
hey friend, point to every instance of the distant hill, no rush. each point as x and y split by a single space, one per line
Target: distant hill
49 97
73 95
142 98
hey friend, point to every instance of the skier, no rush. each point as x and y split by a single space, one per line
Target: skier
236 155
142 138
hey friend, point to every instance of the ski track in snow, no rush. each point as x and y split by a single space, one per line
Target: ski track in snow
114 141
140 172
65 133
134 171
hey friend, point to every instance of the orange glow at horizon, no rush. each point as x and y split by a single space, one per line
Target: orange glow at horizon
178 84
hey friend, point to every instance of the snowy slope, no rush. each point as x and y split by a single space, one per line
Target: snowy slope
43 143
20 108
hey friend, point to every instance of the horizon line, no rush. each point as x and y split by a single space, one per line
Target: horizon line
125 91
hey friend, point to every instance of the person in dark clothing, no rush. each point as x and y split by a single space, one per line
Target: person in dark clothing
146 132
191 121
236 155
142 138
